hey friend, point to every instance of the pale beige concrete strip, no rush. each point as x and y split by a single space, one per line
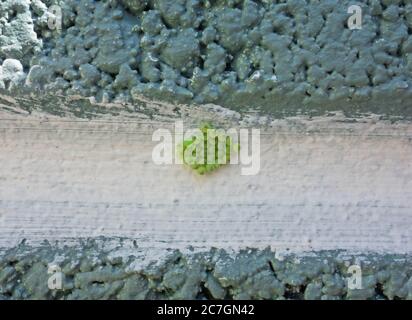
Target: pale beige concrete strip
330 185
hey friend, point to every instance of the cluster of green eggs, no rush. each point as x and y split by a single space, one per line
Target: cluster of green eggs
205 165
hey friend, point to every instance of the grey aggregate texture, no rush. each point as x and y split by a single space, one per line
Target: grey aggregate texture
276 57
92 271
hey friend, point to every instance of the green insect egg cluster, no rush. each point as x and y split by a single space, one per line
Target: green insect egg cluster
197 152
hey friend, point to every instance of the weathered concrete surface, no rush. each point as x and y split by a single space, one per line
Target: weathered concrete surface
119 269
323 185
281 57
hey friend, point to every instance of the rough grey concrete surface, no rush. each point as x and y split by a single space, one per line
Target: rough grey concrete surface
279 57
119 269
